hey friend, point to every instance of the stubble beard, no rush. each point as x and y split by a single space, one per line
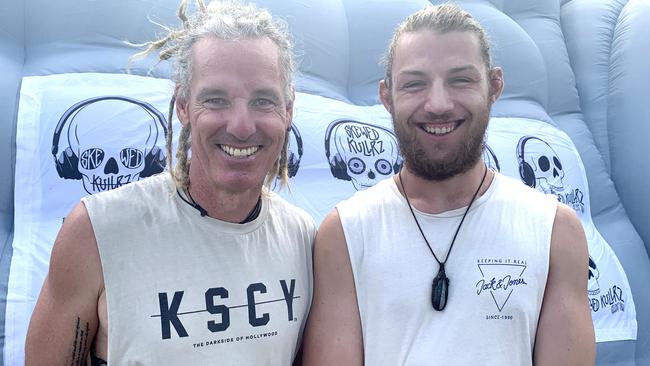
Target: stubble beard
462 159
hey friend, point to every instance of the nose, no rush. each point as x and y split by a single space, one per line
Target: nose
111 167
438 99
240 122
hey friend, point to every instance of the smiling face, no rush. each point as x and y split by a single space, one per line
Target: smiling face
440 97
238 113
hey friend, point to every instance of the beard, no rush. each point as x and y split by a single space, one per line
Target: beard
434 168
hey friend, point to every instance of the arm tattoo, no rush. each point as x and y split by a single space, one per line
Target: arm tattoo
80 345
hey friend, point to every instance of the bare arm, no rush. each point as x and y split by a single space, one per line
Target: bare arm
565 333
333 334
65 320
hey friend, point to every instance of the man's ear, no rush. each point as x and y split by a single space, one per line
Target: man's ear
181 108
496 83
385 95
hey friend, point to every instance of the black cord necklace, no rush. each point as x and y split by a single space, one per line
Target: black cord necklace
440 285
251 215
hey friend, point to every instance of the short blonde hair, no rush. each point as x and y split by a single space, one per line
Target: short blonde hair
441 18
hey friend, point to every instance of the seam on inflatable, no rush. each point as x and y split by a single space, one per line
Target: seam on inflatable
7 247
348 95
612 32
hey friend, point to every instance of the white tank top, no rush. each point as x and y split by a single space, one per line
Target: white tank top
497 274
189 290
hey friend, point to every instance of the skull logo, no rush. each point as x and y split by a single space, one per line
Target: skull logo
539 165
360 152
101 158
594 275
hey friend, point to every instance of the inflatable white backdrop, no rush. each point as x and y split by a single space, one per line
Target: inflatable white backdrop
83 125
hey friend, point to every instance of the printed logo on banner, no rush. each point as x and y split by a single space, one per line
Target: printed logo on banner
594 275
294 154
540 167
360 152
295 150
490 158
85 148
614 297
500 279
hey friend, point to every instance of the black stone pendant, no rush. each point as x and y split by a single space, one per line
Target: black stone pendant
440 289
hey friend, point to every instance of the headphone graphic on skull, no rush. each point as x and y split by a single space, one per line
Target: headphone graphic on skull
103 167
361 153
539 165
490 158
294 157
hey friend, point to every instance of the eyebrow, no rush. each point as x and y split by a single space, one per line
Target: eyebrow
267 93
453 70
264 92
456 70
204 93
411 73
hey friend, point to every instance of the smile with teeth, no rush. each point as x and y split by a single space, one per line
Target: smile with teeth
440 130
239 152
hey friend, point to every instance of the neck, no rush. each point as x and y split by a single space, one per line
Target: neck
225 205
449 194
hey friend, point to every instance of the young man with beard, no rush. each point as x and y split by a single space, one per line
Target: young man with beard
389 289
204 266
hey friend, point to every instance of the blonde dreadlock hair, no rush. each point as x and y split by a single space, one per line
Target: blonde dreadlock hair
226 20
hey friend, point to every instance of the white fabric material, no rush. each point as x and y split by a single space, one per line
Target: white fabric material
186 289
497 274
610 298
331 127
42 198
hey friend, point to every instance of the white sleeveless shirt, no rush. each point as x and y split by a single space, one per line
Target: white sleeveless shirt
183 289
497 274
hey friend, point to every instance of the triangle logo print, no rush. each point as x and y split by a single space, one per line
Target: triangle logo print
500 281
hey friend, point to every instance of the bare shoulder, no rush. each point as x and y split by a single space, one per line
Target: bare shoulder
565 333
330 234
568 241
75 247
569 257
75 268
68 303
333 334
331 258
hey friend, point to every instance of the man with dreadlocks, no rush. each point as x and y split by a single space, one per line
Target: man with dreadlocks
203 265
